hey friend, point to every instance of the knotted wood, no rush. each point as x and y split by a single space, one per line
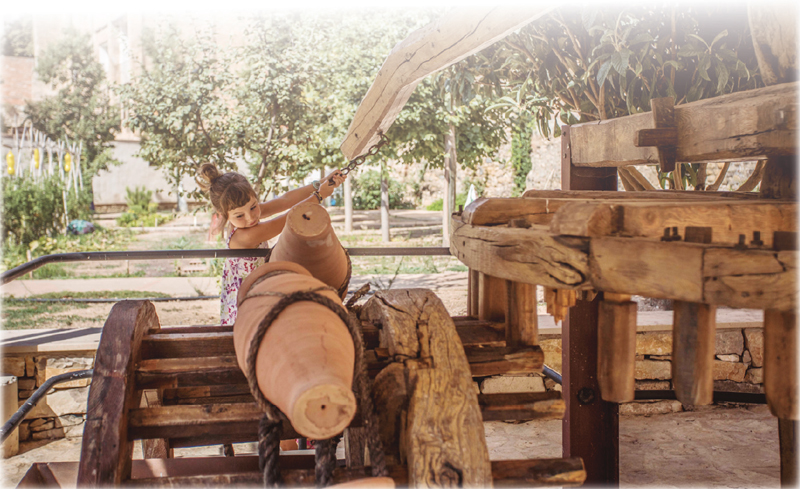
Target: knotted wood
442 436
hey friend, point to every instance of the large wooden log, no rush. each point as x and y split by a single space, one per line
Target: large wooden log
443 433
739 126
106 449
456 35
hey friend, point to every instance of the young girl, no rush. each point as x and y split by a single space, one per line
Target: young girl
235 201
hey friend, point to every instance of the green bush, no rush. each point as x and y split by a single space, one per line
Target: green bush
141 210
32 209
367 192
461 198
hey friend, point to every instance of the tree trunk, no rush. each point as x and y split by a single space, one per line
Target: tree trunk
348 206
450 168
384 204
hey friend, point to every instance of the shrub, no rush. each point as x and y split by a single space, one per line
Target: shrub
32 209
141 210
367 192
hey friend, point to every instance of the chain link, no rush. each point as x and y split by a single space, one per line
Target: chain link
355 162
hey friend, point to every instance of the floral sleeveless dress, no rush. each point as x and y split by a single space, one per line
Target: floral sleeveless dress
233 273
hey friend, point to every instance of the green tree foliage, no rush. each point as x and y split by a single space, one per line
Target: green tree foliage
367 192
18 36
521 134
80 110
178 103
601 62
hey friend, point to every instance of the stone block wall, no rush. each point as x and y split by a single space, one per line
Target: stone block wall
738 367
63 411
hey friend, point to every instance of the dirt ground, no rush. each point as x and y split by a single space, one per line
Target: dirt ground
723 446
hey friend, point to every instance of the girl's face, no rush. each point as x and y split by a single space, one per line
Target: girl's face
245 216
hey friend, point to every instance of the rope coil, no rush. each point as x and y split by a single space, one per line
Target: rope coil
270 427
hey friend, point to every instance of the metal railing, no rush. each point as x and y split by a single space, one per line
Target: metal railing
32 265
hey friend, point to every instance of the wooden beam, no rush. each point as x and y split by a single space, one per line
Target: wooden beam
780 363
740 126
663 111
188 372
676 195
787 439
780 178
106 449
518 406
473 293
456 35
182 345
750 279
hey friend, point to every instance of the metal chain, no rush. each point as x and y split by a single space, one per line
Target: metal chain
355 162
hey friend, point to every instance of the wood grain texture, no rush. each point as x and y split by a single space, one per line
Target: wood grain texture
693 331
473 291
106 449
156 447
739 126
780 363
616 350
522 406
390 392
453 37
183 345
523 255
663 111
751 279
188 372
608 195
492 298
780 178
787 440
522 327
443 432
648 268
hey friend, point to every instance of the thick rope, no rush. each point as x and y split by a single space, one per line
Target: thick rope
346 284
273 416
325 460
269 449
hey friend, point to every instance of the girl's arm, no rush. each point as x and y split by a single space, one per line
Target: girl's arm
247 238
294 197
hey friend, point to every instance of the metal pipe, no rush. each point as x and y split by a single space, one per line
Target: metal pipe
37 396
32 265
552 374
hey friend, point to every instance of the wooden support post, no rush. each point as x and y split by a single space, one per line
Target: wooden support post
693 330
473 293
787 437
492 298
780 363
522 326
780 178
616 348
591 426
663 118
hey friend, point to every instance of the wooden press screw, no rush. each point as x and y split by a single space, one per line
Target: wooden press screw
757 239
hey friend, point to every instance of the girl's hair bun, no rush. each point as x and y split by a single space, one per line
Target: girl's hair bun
206 175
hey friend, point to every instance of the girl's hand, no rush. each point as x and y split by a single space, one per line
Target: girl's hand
330 183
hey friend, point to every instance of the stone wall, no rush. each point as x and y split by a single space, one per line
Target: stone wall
738 367
63 411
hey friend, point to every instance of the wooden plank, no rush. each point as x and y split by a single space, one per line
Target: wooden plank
106 449
179 345
740 126
648 268
473 296
648 220
443 432
522 327
492 298
780 363
456 35
521 406
693 333
677 195
486 212
663 111
156 447
485 361
505 473
187 372
616 350
523 255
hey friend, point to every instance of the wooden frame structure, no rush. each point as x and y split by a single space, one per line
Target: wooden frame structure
700 249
